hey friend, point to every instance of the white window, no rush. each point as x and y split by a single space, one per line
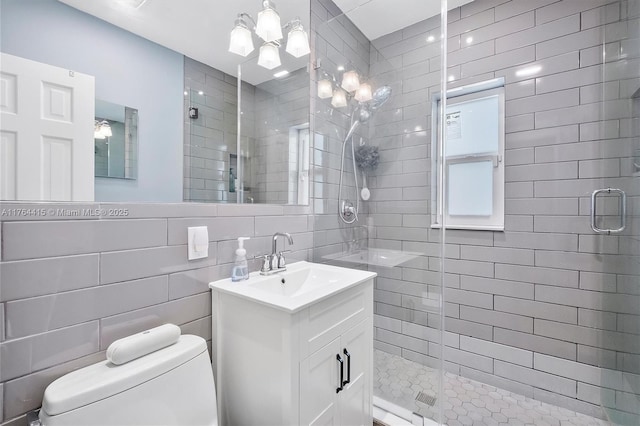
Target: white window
473 158
298 187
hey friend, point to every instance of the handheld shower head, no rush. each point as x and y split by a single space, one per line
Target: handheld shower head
380 97
366 109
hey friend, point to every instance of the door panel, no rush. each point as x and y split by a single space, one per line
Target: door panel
356 400
8 161
56 168
47 140
319 378
8 89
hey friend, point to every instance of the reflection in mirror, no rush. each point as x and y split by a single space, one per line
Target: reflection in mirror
116 140
153 69
260 155
274 131
271 164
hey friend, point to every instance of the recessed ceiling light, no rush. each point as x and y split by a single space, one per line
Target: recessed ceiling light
200 93
281 73
340 67
431 38
469 40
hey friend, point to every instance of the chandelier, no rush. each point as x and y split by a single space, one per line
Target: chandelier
268 29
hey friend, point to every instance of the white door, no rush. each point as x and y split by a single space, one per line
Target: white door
46 143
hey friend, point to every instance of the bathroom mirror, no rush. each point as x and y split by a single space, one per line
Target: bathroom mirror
116 141
138 53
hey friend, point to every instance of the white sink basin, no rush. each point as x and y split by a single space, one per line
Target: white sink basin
302 284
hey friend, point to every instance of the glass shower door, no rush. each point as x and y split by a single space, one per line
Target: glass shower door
620 391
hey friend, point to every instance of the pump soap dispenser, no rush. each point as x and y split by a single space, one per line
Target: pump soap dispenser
240 268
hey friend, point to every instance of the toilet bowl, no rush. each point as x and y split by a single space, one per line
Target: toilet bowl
173 385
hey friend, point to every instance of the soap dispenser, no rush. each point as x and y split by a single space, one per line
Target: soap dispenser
241 267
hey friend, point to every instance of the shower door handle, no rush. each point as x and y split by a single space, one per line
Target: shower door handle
623 211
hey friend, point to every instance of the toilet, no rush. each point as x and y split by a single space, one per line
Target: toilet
157 377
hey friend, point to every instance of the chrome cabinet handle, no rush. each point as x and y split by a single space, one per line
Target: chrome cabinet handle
623 211
339 388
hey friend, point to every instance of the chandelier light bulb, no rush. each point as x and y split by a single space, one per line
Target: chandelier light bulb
269 56
363 94
106 130
268 25
297 41
350 81
241 42
325 89
339 99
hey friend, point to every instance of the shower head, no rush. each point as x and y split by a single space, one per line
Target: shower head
366 109
380 97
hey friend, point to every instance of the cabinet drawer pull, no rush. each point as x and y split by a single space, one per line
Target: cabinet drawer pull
339 388
348 355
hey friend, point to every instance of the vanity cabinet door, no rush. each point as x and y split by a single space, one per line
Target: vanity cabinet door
319 379
356 400
343 363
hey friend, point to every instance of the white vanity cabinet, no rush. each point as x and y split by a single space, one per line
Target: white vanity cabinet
304 367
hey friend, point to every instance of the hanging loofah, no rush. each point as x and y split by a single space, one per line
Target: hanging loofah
367 157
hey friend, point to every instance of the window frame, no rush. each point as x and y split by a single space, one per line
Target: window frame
464 94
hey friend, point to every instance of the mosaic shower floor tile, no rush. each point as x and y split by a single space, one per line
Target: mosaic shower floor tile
465 402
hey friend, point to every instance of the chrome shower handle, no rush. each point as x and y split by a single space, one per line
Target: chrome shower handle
623 211
348 212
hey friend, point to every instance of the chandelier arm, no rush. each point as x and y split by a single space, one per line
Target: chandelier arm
246 15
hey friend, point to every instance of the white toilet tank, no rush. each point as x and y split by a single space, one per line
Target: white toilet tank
172 386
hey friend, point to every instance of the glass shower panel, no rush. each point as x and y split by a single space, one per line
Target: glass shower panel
620 391
371 187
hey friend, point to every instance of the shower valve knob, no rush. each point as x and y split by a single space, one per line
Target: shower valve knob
348 212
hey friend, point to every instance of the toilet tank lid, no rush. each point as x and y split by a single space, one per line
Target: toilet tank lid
104 379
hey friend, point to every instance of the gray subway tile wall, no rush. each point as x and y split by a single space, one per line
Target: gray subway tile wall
69 288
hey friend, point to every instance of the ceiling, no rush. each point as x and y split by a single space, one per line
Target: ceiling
201 30
376 18
198 29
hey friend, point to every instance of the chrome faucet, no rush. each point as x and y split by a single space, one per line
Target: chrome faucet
275 262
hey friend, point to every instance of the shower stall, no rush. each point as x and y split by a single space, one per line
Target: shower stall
502 218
